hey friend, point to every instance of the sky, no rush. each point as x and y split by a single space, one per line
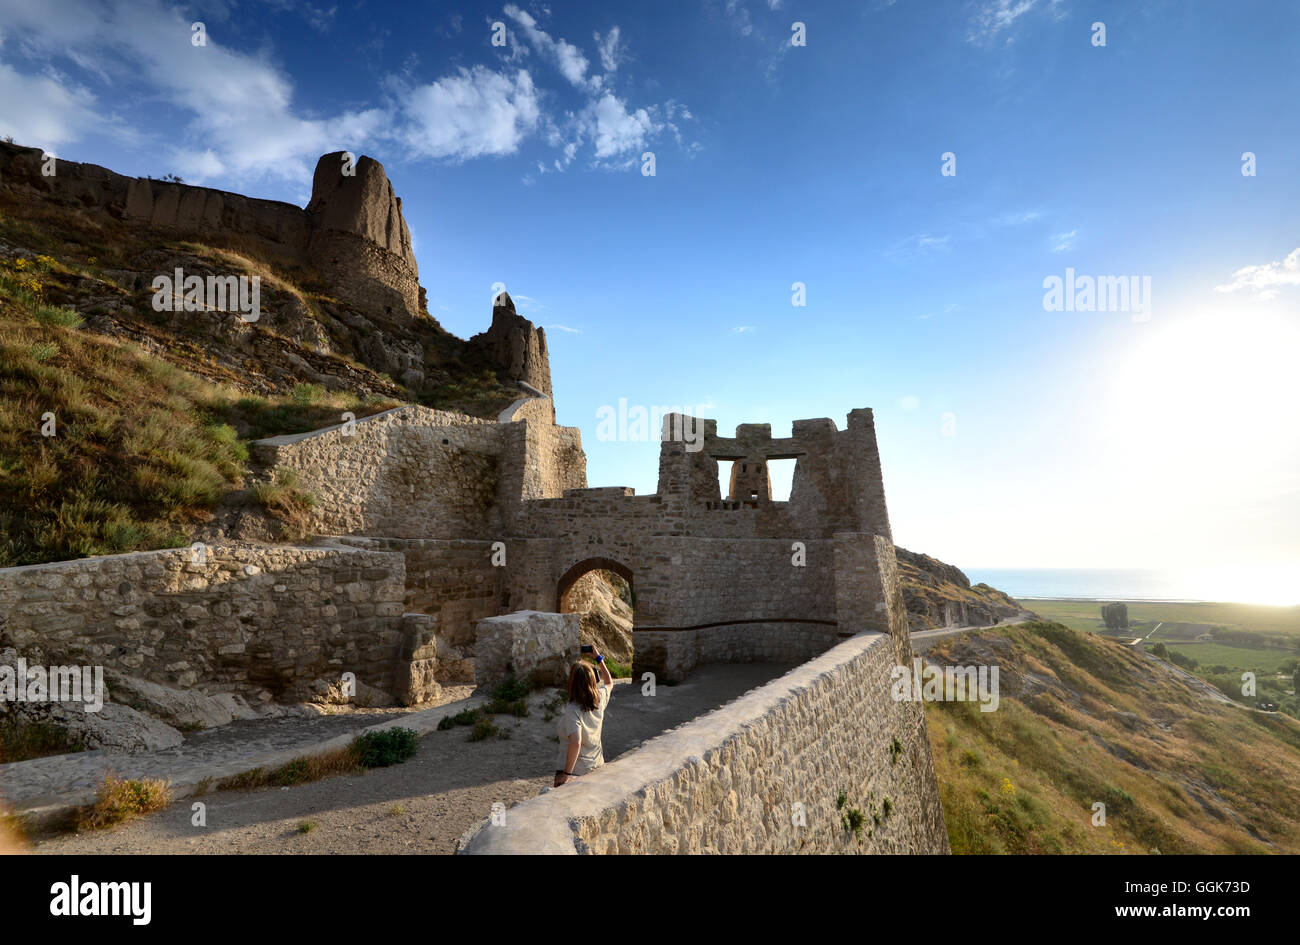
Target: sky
923 170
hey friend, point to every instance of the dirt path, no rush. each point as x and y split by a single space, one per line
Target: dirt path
424 805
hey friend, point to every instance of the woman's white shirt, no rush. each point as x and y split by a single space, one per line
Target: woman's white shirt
588 724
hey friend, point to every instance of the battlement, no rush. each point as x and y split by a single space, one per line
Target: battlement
837 483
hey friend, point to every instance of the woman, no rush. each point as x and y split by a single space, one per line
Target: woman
582 720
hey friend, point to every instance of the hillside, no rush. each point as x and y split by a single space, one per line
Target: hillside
1083 719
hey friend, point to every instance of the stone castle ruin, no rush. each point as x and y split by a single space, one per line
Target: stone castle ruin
448 544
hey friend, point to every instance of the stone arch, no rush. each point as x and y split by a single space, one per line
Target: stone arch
584 566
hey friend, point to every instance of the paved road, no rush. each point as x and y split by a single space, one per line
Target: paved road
922 640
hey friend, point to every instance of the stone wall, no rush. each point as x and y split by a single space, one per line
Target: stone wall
737 779
528 644
453 580
410 472
267 623
413 472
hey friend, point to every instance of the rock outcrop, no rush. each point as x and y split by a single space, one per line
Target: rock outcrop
517 345
940 595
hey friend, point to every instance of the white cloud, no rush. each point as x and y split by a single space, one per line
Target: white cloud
611 54
1265 279
1017 218
525 304
739 16
52 113
239 105
566 57
614 129
741 329
473 113
997 16
572 331
910 402
220 112
1063 241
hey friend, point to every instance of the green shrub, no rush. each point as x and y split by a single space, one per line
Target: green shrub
59 317
389 746
464 717
512 689
304 395
483 728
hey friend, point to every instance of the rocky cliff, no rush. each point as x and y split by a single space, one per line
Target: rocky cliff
519 347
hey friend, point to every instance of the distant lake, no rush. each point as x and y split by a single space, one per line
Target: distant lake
1098 584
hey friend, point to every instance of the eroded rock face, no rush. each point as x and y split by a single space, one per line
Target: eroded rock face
185 708
601 599
112 727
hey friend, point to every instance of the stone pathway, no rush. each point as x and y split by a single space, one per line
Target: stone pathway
45 787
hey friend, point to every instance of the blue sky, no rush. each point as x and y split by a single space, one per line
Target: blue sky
1011 435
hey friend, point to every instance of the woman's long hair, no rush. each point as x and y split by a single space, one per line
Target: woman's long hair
582 686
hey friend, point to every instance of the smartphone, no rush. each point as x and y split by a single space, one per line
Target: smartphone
588 648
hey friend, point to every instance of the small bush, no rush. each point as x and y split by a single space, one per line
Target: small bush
517 708
483 729
853 821
119 800
59 317
389 746
464 717
512 689
298 771
304 395
307 826
895 749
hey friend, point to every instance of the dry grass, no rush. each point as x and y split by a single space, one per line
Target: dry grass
1085 720
298 771
285 502
120 800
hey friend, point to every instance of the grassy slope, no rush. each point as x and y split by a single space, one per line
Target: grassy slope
152 419
1084 719
141 448
1247 638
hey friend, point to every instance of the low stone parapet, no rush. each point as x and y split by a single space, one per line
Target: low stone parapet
776 771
